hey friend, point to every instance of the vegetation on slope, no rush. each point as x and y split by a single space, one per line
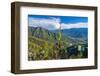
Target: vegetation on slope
46 45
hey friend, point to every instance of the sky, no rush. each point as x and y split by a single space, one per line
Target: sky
54 22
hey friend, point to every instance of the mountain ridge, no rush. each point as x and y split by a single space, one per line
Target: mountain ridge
75 32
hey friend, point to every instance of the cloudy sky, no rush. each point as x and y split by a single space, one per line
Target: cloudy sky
54 22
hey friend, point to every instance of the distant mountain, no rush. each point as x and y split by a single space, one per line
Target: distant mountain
41 33
75 32
47 35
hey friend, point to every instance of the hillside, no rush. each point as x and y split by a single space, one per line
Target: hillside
47 35
41 33
44 45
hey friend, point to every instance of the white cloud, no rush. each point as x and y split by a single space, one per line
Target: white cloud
54 23
74 25
50 24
